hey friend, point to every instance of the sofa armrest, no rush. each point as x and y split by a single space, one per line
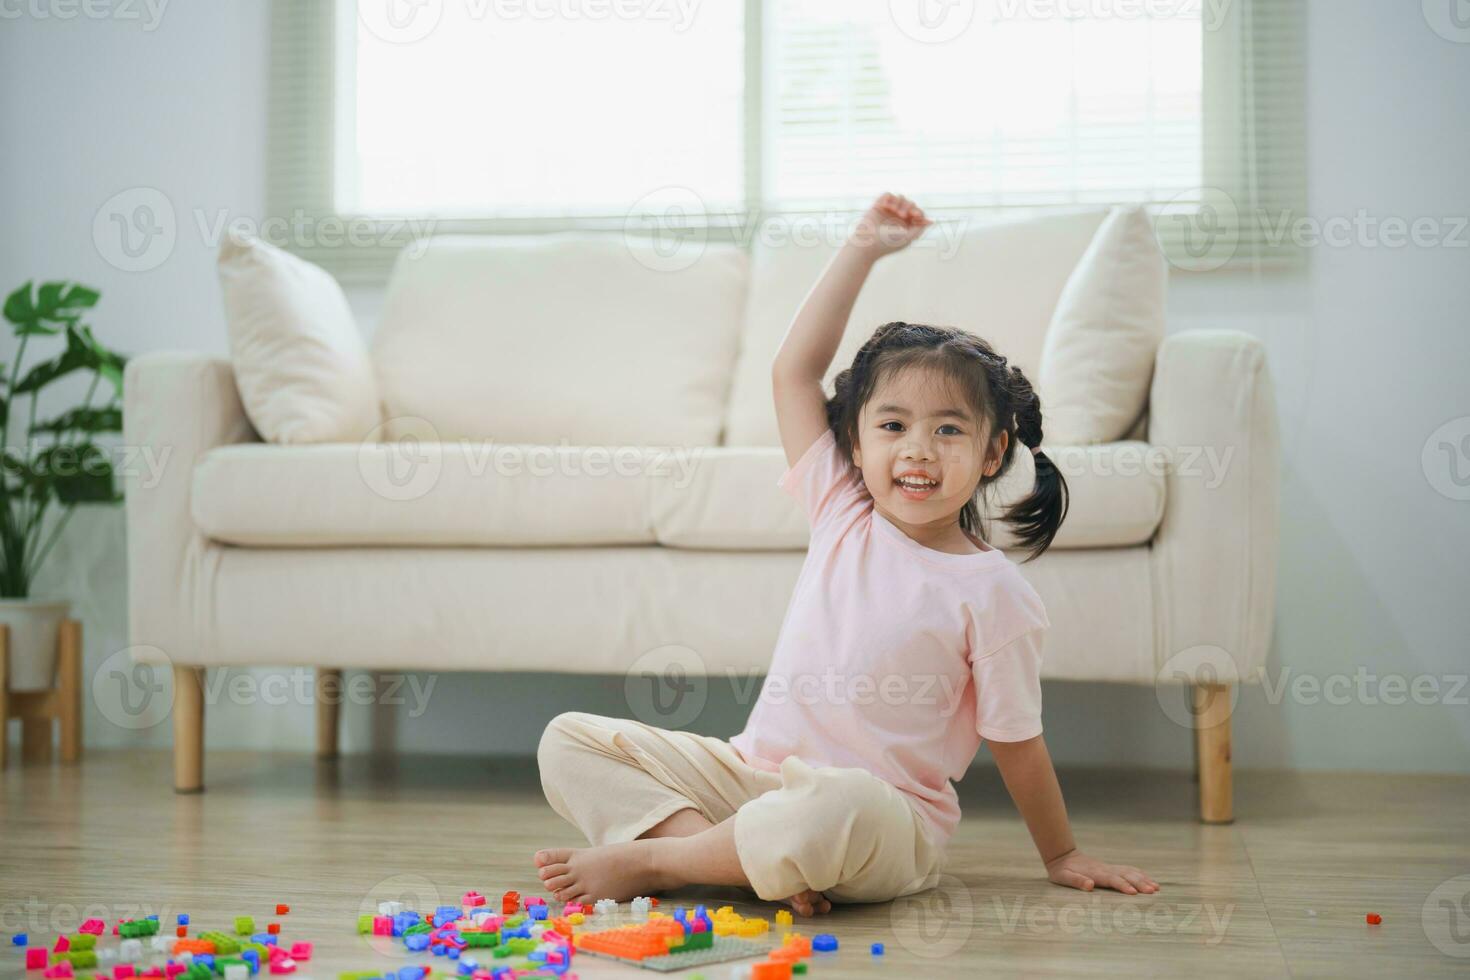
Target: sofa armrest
177 405
1212 408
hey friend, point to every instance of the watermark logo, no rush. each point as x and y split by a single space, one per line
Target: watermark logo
932 21
1445 917
1206 223
401 458
666 230
394 894
150 12
134 693
937 923
667 687
400 21
1446 459
1176 682
1450 19
135 229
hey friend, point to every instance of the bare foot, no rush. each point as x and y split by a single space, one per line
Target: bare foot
621 871
809 902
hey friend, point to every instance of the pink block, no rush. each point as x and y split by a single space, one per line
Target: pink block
301 951
94 926
283 965
62 945
59 970
535 900
173 969
36 958
122 971
382 925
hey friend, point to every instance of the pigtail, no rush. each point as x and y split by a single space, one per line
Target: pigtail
1038 516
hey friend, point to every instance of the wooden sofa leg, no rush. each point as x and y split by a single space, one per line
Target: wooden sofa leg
69 690
188 729
328 711
1212 752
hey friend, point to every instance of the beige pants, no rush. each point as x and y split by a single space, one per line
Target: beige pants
844 832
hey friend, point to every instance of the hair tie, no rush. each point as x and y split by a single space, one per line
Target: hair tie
1035 450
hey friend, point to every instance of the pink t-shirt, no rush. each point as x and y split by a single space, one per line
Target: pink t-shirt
894 657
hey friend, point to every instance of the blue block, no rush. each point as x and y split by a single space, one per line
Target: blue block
824 942
207 959
452 952
19 939
252 958
265 939
183 918
439 950
538 912
418 942
877 949
411 973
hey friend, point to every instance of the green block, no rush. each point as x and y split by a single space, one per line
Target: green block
196 971
83 940
414 929
694 941
799 966
515 920
80 958
364 928
244 925
224 943
480 940
261 950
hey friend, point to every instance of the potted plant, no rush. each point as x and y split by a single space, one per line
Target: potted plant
56 462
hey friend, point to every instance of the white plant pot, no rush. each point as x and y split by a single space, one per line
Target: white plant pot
35 627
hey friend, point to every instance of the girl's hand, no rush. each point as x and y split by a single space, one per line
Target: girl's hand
1076 870
889 225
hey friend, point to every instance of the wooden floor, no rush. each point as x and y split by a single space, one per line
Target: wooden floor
1281 892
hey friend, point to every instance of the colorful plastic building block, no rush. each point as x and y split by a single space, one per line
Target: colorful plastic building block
824 942
876 949
93 926
1374 918
19 939
36 958
282 909
244 925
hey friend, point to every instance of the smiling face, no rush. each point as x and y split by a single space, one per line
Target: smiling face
922 449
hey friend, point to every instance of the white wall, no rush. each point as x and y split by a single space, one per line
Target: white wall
1370 352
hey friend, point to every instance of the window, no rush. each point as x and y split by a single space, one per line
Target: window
495 116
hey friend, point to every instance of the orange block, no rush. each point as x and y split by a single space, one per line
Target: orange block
771 970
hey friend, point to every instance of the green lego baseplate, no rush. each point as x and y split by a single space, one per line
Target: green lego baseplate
721 949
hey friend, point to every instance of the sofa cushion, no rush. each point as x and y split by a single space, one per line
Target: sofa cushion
300 363
1099 353
564 339
713 497
998 280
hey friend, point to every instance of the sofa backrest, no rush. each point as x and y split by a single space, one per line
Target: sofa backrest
562 339
1000 280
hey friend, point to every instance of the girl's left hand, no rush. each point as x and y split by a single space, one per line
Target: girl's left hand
1076 870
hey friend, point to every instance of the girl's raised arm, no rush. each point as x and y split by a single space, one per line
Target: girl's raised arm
811 341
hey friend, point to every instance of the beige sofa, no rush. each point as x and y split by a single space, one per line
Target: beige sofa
580 457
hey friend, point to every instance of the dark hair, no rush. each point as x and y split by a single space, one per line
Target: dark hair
998 392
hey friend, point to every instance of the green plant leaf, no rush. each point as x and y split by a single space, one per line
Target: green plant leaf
19 309
54 303
30 481
105 362
84 419
79 474
65 301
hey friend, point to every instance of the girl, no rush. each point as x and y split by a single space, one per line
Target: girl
927 640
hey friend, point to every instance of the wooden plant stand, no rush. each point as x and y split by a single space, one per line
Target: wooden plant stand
38 709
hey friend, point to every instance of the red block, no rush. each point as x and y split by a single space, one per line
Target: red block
1374 918
274 928
282 909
